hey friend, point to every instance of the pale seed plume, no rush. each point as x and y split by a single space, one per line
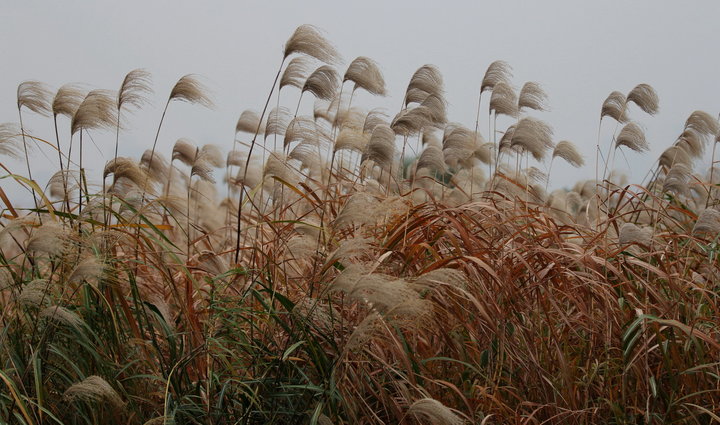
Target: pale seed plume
323 83
94 389
426 80
98 111
34 293
308 40
374 118
633 137
498 71
190 89
631 233
614 107
62 315
675 155
432 159
67 100
645 97
532 96
381 147
296 72
11 143
366 74
708 223
434 412
277 121
533 136
135 88
691 142
50 238
567 151
248 122
703 123
34 96
158 169
503 100
184 151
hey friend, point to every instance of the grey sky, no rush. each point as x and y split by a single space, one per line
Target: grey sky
579 51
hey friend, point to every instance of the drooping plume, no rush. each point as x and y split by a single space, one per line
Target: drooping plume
307 40
248 122
614 107
134 89
503 100
97 111
365 73
498 71
190 89
633 137
34 96
567 151
296 72
532 96
645 97
534 136
67 100
323 83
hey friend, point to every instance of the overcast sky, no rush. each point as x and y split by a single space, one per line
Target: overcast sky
579 51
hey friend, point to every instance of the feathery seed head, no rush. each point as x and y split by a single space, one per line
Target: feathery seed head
97 111
308 40
249 122
644 96
503 100
365 73
67 100
567 151
323 83
134 89
296 72
190 89
533 136
633 137
614 107
498 71
532 96
35 96
94 389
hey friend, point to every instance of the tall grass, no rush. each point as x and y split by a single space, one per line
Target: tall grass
368 287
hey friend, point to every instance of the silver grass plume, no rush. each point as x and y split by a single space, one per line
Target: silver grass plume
645 97
323 83
34 96
155 165
97 111
633 137
134 89
90 269
50 238
614 107
184 151
248 122
302 129
427 79
703 123
63 182
34 293
533 136
366 74
432 158
503 100
67 100
676 180
11 144
190 89
498 71
630 233
296 72
125 168
675 155
374 118
351 139
708 223
532 96
434 412
62 315
505 142
322 109
381 147
94 389
307 40
567 151
277 121
411 121
459 146
691 142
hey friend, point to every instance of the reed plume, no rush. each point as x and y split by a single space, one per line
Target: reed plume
645 97
308 40
365 74
296 72
503 100
533 136
567 151
248 122
614 107
532 96
633 137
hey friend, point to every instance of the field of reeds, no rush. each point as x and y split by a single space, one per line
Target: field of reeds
320 271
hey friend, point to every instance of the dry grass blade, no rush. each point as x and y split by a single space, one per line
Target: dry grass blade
644 96
34 96
308 40
633 137
365 73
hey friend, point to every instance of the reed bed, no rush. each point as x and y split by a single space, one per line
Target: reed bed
339 278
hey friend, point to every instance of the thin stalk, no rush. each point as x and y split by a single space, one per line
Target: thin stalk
62 172
247 161
27 162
